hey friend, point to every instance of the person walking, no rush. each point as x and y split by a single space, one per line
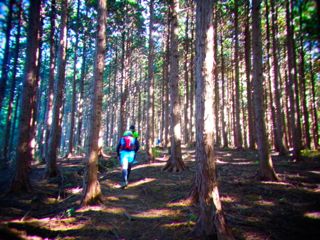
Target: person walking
126 150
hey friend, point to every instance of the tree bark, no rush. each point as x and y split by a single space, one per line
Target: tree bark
266 171
279 134
74 85
223 122
291 85
175 162
247 46
303 90
92 190
216 78
55 130
315 127
150 103
21 181
186 77
81 88
192 84
237 126
211 222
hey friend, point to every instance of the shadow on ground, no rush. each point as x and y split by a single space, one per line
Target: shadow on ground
155 206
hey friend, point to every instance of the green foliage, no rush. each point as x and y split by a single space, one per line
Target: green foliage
156 152
310 154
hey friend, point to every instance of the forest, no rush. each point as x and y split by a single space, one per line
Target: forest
221 98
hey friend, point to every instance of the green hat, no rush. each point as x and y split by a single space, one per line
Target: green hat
127 133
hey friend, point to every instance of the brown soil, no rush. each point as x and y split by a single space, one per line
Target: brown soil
154 205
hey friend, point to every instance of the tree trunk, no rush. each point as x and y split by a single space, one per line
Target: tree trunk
211 222
216 79
315 127
150 125
247 46
175 162
7 136
74 85
166 99
266 170
186 77
223 122
5 60
51 73
303 90
21 180
92 190
55 131
291 84
237 126
192 84
279 135
81 88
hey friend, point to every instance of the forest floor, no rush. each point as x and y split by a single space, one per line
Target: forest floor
154 205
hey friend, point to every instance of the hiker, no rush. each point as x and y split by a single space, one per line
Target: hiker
126 150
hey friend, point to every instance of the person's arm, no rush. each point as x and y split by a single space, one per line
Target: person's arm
137 145
118 148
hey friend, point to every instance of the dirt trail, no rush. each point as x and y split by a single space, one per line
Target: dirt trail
154 204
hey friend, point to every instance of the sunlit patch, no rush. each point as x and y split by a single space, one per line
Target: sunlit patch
57 224
276 183
157 213
157 164
242 163
112 198
228 199
76 190
265 203
179 224
129 196
91 208
140 182
313 215
181 203
315 172
114 210
222 162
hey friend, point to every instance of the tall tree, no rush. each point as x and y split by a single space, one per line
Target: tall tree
186 76
237 126
175 162
5 60
278 127
55 131
92 190
150 103
302 82
292 86
211 221
216 78
74 84
24 155
48 117
314 117
247 46
266 170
